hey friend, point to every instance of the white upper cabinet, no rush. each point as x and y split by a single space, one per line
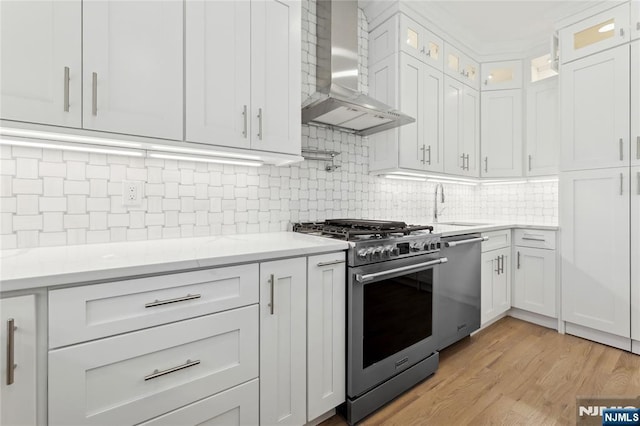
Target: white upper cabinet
502 75
635 103
595 111
595 273
40 62
603 31
461 67
132 66
501 140
218 98
461 128
635 20
275 76
542 128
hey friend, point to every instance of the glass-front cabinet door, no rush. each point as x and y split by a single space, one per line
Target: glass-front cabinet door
502 75
420 43
461 67
635 20
603 31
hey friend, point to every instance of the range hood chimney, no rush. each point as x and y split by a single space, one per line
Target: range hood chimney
337 102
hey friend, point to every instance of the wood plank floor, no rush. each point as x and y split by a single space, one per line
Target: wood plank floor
512 373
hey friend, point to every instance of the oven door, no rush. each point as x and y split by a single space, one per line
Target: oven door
391 316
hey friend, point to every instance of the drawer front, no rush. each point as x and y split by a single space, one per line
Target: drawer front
535 238
237 406
89 312
497 240
136 376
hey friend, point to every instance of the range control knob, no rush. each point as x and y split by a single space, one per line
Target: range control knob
362 253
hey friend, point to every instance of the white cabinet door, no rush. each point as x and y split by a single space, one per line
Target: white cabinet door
502 75
132 66
432 116
534 283
595 271
326 333
543 128
275 75
283 342
635 20
495 284
461 128
18 398
501 129
635 101
411 143
600 32
218 72
420 43
40 61
635 253
595 111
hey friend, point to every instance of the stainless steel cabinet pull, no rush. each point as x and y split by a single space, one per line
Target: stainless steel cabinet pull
518 260
157 373
462 242
621 32
467 168
410 268
429 158
11 329
486 164
462 157
244 117
638 26
621 149
94 93
66 89
332 262
169 301
638 147
423 150
502 264
533 238
260 123
621 183
272 282
498 265
529 162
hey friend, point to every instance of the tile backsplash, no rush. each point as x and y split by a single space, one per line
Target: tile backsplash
52 198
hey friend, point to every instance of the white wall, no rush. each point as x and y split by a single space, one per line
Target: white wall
50 197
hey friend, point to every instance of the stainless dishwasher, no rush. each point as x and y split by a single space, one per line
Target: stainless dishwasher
458 289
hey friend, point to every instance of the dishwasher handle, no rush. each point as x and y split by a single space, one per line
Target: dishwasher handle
469 241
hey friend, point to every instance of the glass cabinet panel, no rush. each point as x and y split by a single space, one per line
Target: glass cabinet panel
412 38
453 62
594 34
434 50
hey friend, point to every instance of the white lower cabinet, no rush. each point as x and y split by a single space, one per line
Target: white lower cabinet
18 385
534 283
495 284
236 406
635 257
136 376
326 333
283 342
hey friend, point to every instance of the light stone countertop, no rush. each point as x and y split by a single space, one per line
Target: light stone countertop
51 266
448 229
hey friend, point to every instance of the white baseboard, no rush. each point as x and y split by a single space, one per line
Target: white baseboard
619 342
541 320
321 418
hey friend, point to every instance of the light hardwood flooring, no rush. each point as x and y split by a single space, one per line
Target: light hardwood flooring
512 373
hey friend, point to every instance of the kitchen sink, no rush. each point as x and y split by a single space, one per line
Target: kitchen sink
463 223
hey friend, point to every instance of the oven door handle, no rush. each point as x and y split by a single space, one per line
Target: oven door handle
411 268
469 241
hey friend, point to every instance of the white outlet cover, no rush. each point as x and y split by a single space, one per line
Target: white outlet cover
131 193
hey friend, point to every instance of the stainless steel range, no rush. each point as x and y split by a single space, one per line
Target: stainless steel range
392 272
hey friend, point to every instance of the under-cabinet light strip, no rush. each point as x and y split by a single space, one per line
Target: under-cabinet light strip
70 147
456 182
204 152
207 159
63 137
403 177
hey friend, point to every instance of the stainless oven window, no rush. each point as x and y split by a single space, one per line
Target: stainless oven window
397 313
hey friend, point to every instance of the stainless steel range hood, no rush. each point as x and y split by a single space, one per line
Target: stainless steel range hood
337 102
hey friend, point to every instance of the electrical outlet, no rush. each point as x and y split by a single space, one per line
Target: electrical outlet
131 193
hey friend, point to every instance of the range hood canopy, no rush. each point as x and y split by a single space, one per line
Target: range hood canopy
337 102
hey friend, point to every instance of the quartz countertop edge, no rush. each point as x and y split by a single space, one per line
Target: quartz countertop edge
448 230
22 269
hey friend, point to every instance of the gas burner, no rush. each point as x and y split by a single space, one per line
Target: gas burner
355 229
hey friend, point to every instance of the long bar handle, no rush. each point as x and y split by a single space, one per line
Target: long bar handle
370 277
94 93
468 162
157 373
621 183
333 262
423 149
532 238
260 123
272 283
462 156
66 89
429 158
502 264
621 143
11 329
638 188
498 265
169 301
518 262
529 162
486 164
244 118
469 241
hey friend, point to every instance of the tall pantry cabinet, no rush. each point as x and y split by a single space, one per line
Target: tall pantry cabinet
598 184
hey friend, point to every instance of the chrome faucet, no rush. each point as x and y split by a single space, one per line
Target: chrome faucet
435 201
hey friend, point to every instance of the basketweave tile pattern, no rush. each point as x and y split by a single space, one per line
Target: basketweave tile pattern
53 198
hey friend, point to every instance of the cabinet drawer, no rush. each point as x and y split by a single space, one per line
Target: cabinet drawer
237 406
136 376
535 238
497 240
89 312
